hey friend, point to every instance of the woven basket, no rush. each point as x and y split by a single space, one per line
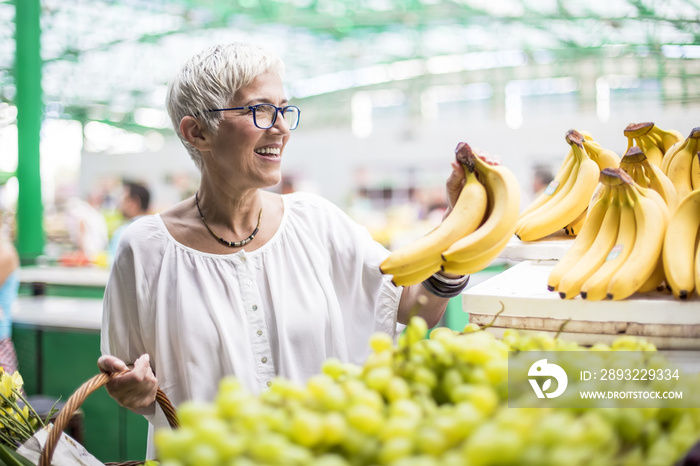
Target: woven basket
77 399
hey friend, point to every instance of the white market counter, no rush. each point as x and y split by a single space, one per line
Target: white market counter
58 313
521 297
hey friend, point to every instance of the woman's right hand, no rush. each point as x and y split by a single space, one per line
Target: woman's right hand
134 390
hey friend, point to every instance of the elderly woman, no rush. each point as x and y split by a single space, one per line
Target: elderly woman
239 280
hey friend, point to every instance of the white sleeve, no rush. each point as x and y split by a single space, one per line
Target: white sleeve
368 298
124 305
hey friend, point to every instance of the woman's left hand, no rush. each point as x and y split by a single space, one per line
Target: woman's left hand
454 185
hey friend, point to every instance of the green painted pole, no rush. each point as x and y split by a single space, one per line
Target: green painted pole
30 229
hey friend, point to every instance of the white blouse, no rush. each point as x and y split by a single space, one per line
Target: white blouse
312 292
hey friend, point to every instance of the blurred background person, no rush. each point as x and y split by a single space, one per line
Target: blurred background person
9 286
87 230
541 178
135 202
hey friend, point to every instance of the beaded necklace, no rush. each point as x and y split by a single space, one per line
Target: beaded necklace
231 244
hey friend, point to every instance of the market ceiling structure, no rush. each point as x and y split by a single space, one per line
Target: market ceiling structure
110 60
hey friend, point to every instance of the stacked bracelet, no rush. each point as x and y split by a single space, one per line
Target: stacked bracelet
445 287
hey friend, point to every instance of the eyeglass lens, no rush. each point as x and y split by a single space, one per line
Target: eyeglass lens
265 114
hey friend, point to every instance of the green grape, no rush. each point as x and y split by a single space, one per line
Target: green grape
490 444
471 328
397 389
329 459
442 334
268 447
191 412
365 418
407 408
202 454
173 444
423 375
482 397
381 341
575 455
416 330
378 378
307 428
394 449
399 426
439 353
448 425
451 458
228 404
326 392
419 460
551 430
383 359
333 367
468 418
334 428
430 440
630 425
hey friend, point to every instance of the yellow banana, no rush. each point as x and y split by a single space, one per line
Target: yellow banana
695 171
573 228
570 284
584 239
556 186
679 246
504 198
668 156
651 226
660 183
411 277
697 267
545 221
654 141
478 262
668 137
605 158
635 130
648 175
654 154
656 279
596 286
465 217
679 165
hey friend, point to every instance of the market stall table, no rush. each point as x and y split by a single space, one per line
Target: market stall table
89 281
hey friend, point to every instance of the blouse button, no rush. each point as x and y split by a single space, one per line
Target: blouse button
264 360
243 259
259 332
269 383
255 307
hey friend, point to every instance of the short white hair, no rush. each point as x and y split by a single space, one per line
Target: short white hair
210 79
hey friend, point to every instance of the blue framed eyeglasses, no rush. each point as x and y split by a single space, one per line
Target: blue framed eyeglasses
265 115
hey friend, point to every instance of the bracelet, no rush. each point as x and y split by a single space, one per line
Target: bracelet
445 287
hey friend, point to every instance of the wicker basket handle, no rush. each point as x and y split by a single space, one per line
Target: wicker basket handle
77 399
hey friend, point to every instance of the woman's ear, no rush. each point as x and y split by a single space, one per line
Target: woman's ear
194 132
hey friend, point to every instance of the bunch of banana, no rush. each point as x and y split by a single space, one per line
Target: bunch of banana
618 250
681 261
417 261
605 158
682 166
478 249
567 196
647 175
654 141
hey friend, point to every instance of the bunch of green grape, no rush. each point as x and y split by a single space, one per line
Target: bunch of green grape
437 400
